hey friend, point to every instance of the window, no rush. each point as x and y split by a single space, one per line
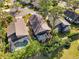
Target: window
14 37
42 37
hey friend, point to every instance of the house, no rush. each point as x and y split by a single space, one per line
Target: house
25 1
59 24
40 28
72 17
17 34
35 3
62 25
18 11
32 3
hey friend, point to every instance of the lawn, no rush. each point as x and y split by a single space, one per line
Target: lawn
72 52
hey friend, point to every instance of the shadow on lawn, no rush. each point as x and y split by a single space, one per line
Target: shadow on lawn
57 53
74 37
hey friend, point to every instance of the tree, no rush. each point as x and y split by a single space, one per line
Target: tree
45 6
5 19
51 7
55 12
73 4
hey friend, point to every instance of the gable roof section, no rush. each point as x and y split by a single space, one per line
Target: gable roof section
61 20
21 28
18 27
11 29
38 24
57 21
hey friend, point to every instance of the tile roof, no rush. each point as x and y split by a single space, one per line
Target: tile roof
18 26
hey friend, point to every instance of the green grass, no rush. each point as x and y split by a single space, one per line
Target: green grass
72 52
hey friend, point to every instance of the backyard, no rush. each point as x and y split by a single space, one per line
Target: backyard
72 52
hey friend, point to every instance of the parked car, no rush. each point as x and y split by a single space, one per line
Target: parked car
17 34
40 28
72 17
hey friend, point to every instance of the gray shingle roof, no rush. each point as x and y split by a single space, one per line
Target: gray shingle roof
38 24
